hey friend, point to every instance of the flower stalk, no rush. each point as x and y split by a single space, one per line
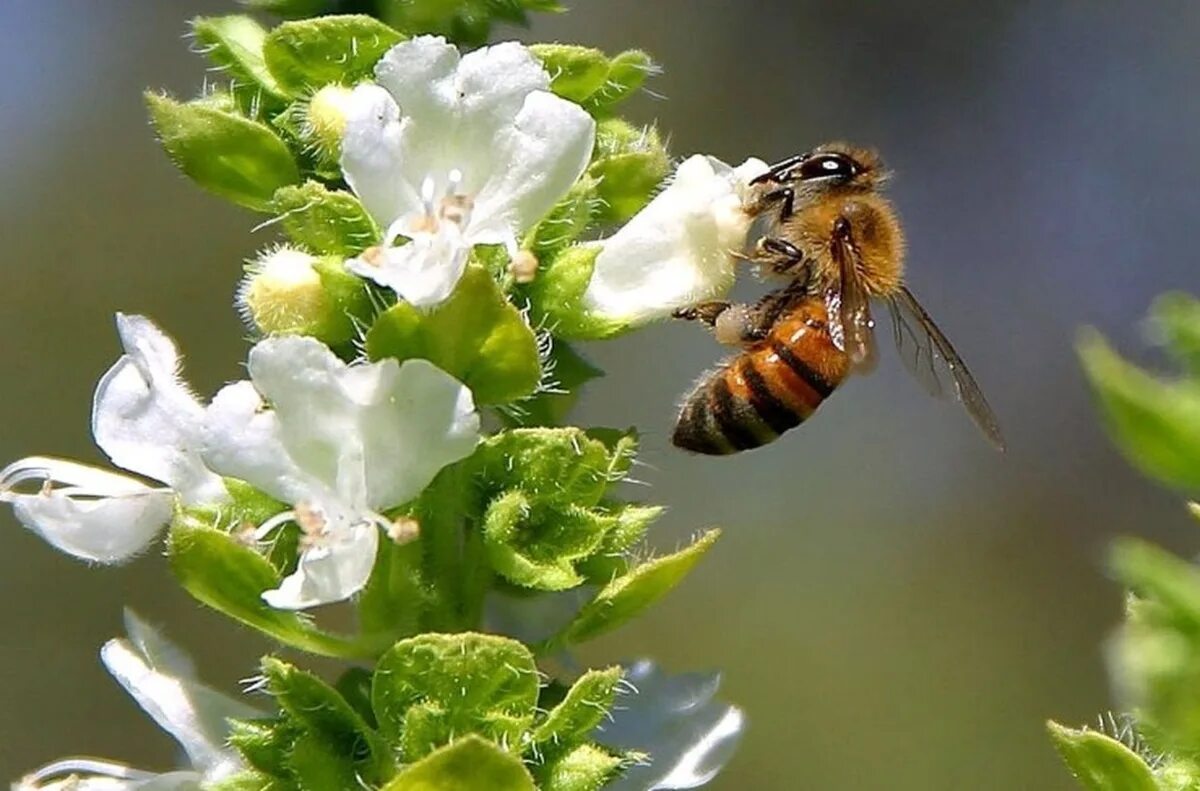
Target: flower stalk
450 214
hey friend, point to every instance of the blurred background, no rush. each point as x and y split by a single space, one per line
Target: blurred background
894 604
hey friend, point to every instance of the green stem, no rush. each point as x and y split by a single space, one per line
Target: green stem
477 576
442 515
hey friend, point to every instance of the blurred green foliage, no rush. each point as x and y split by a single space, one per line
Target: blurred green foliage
1155 656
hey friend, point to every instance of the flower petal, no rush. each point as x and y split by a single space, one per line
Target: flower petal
146 419
676 251
538 158
407 421
243 439
372 157
94 774
333 570
423 272
689 735
194 714
85 511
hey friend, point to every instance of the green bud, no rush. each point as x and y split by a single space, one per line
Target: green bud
585 706
575 72
469 764
537 546
476 335
629 595
231 156
432 689
325 122
1099 762
611 560
330 222
264 744
570 217
307 54
584 768
556 296
626 73
290 292
234 44
317 709
629 164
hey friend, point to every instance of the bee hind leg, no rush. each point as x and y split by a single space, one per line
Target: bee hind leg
733 324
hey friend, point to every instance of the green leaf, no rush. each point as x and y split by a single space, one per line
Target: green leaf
306 54
585 768
1156 423
316 763
629 595
265 744
470 764
568 372
1099 762
585 706
322 712
475 336
629 165
575 72
230 577
226 154
626 73
1176 318
431 689
329 222
234 44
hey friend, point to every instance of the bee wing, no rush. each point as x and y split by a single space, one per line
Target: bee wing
930 357
849 307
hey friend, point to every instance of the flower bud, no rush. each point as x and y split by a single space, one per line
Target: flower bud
325 121
629 163
288 291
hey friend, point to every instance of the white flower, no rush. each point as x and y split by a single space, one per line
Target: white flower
340 443
677 250
147 421
688 734
161 678
452 152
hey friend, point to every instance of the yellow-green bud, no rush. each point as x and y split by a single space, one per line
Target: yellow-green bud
288 291
326 120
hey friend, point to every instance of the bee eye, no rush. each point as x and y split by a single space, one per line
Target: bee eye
828 166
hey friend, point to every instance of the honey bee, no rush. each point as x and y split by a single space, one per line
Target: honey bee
838 243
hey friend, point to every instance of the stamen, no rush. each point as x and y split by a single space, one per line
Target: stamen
267 527
427 187
91 767
404 530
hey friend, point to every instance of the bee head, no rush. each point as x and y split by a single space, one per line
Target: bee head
829 167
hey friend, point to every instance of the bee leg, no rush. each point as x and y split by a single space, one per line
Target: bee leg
706 312
732 324
779 255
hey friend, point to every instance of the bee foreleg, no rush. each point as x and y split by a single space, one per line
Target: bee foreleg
706 312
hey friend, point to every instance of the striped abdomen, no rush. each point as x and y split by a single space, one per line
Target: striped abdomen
771 387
